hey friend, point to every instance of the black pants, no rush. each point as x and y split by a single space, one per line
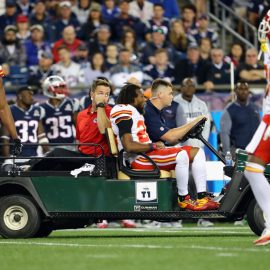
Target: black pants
72 160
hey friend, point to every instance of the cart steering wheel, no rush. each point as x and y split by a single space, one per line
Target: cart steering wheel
195 131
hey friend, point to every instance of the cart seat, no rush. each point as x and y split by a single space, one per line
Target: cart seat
125 173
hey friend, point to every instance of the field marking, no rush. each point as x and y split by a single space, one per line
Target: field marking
102 256
161 229
229 231
226 255
207 231
212 248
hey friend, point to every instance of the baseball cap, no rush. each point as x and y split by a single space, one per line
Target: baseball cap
21 19
193 46
37 27
10 3
203 17
65 4
10 28
46 54
95 7
24 88
82 47
160 29
104 26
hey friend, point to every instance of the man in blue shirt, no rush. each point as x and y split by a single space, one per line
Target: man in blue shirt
162 96
239 120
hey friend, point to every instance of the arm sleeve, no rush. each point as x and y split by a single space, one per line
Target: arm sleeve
124 127
225 131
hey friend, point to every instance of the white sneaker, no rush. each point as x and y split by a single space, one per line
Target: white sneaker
264 239
127 223
177 224
87 167
114 224
204 223
165 224
239 222
152 224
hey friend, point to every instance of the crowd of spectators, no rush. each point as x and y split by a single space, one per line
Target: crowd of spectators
81 40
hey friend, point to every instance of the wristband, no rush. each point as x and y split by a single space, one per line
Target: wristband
153 146
100 105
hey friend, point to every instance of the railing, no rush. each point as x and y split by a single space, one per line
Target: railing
221 14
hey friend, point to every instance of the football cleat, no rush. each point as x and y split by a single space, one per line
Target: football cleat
127 223
188 204
264 239
103 224
208 203
204 223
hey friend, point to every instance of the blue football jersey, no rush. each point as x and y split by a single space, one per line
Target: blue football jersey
58 121
26 123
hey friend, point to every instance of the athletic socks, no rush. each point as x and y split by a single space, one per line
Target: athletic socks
198 169
182 172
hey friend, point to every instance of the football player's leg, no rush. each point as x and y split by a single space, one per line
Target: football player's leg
182 172
164 158
182 175
198 168
261 191
254 173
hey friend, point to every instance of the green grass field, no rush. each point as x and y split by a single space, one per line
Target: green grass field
222 247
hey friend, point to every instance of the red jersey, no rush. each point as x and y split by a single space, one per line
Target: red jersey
87 132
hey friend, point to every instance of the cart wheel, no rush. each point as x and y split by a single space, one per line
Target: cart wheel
19 217
255 218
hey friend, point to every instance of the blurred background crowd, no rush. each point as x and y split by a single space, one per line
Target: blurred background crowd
83 39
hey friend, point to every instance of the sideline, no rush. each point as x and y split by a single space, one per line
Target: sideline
72 245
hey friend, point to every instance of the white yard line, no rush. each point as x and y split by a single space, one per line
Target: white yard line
226 255
72 245
162 229
207 231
